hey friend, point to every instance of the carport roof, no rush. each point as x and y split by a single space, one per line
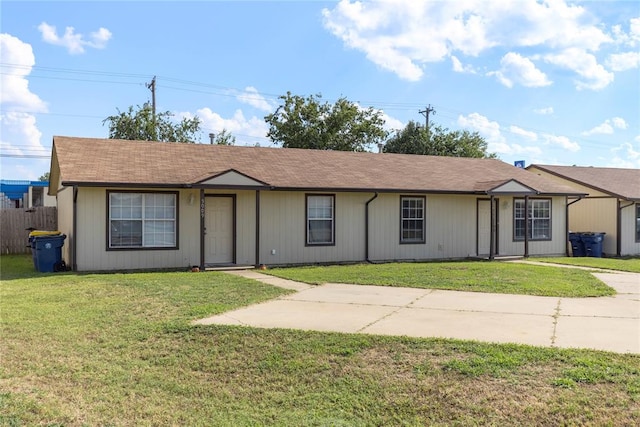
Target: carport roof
112 162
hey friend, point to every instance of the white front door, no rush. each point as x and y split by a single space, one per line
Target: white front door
218 233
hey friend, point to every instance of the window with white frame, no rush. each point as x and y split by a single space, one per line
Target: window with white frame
538 217
320 219
142 220
412 219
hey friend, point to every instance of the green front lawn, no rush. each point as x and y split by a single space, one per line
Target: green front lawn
621 264
475 276
119 350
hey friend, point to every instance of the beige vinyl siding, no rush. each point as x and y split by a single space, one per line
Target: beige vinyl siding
65 221
450 229
596 215
556 246
283 225
245 225
629 245
91 239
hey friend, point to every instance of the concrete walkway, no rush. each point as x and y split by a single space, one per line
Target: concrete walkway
606 323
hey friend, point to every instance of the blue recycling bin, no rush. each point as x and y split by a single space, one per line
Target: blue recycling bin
577 245
593 244
32 242
48 252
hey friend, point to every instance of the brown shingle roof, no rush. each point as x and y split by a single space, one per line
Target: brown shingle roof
90 161
622 183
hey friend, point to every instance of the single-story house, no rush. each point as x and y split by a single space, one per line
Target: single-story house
612 205
141 205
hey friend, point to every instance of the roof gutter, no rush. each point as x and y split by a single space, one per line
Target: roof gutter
366 227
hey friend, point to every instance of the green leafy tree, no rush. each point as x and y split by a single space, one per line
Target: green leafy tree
438 141
308 123
142 124
223 138
44 177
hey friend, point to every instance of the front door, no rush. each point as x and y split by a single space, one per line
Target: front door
219 230
484 227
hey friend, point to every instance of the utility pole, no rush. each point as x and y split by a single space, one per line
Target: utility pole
152 87
426 112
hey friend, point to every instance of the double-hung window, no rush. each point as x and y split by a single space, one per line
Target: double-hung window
412 219
142 220
321 219
538 217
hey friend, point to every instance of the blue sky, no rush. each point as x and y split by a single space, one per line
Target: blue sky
548 82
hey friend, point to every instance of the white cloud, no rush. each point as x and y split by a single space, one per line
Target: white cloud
607 128
626 156
496 142
532 136
561 141
486 128
14 86
20 135
404 36
619 122
593 75
247 131
391 123
624 61
544 111
628 39
458 67
75 43
252 97
517 69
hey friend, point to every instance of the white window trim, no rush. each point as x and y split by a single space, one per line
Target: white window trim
529 217
143 246
308 220
404 240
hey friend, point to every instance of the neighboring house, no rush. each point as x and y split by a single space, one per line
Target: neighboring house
141 205
612 205
25 194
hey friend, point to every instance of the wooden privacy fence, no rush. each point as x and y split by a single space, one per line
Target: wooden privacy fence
15 225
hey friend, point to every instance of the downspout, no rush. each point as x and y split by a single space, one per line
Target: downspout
526 226
619 227
257 228
492 233
74 225
366 227
566 221
202 230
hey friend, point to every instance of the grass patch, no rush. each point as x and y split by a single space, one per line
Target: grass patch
474 276
631 265
119 349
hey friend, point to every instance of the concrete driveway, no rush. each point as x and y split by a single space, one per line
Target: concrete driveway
606 323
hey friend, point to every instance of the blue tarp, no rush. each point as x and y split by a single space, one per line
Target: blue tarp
16 189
